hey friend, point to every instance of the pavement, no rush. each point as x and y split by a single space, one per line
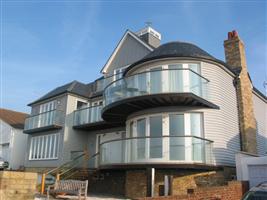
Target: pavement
89 197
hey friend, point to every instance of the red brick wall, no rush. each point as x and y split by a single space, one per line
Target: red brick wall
233 191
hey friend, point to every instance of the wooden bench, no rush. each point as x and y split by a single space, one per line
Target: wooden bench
70 187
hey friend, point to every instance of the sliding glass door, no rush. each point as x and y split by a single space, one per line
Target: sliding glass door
155 144
141 143
177 141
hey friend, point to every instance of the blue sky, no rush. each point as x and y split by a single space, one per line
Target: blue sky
46 44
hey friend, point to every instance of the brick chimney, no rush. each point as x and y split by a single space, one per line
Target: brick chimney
235 58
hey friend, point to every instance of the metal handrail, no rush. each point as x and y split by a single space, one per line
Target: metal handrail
122 78
163 136
88 107
65 164
42 113
73 167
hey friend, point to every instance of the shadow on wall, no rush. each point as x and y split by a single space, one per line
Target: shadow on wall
226 156
261 139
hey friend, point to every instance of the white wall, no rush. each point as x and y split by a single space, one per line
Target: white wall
74 140
5 132
17 142
243 164
260 111
18 148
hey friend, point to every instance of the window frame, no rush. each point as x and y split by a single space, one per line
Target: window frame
39 151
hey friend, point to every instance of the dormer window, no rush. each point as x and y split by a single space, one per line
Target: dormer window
47 106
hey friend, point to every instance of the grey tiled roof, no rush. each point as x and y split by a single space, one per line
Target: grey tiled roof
178 49
73 87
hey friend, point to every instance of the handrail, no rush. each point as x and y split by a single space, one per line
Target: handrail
88 107
42 113
125 77
163 136
94 155
55 169
62 167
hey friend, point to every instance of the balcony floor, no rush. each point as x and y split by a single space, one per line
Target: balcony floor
97 126
41 129
120 110
198 166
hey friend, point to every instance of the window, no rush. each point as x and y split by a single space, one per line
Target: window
118 73
169 136
141 143
47 106
155 123
44 147
177 142
81 104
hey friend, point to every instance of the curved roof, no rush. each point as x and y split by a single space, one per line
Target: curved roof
176 49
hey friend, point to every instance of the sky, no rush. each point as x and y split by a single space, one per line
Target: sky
45 44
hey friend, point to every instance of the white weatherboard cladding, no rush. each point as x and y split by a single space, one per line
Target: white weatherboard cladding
260 111
221 125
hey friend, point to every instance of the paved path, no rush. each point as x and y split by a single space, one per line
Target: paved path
90 197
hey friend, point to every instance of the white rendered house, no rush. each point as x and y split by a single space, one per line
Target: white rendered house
13 142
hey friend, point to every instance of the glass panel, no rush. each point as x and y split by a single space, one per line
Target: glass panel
151 82
155 131
177 144
141 144
175 78
142 83
52 146
196 130
48 146
155 80
132 149
195 79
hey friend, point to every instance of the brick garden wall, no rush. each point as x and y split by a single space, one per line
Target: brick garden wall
17 185
233 191
136 181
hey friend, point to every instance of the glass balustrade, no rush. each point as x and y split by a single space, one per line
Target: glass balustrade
88 115
157 82
50 118
184 149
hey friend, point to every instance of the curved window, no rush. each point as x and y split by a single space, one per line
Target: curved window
171 137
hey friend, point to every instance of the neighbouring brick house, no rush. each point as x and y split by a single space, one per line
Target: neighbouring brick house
170 109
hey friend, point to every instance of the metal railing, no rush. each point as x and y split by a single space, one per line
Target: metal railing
103 82
87 115
156 82
67 169
164 149
53 117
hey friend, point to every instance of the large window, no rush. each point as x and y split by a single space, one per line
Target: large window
169 136
155 124
177 141
44 147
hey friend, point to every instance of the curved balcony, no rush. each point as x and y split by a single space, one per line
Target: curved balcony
171 150
44 121
89 118
169 87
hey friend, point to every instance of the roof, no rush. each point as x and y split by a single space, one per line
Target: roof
178 49
260 93
73 87
128 32
13 118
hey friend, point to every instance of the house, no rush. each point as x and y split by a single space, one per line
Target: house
13 142
158 110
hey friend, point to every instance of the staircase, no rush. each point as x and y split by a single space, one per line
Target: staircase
76 169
